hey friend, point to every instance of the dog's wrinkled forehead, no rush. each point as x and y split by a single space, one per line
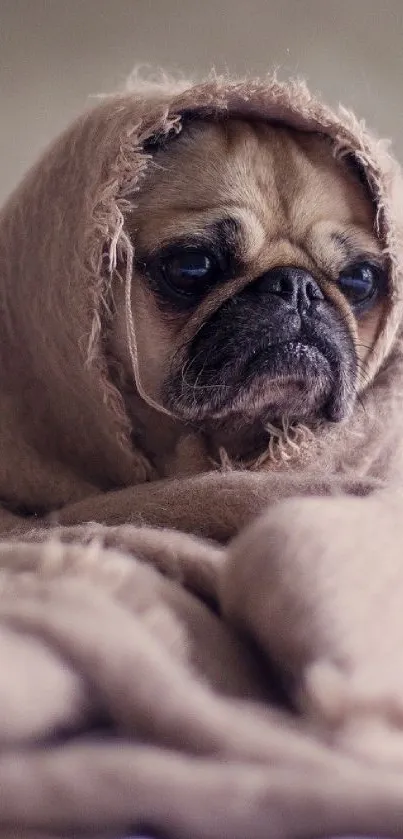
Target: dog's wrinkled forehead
275 183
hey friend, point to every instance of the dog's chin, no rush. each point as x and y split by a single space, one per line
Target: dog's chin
291 381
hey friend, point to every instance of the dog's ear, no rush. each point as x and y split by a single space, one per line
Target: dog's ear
357 168
162 139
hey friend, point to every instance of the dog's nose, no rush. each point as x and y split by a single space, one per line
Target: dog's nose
295 285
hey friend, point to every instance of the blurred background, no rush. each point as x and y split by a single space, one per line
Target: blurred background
54 54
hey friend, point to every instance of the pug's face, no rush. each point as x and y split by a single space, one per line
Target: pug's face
259 279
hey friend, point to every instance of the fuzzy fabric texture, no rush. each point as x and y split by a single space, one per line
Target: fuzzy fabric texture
139 664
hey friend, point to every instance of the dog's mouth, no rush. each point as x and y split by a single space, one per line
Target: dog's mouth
301 379
280 380
297 355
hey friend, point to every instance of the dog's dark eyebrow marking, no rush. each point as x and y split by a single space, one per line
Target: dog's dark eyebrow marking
222 236
353 252
225 234
343 241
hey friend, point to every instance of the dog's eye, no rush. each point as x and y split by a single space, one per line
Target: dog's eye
189 271
359 284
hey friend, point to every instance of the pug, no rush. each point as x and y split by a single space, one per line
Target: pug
263 286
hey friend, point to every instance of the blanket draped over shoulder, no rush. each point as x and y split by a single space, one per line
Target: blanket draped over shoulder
233 675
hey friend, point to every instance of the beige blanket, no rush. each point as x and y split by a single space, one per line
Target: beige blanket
246 687
127 704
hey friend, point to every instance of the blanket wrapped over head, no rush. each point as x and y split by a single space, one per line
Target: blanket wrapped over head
65 233
247 684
